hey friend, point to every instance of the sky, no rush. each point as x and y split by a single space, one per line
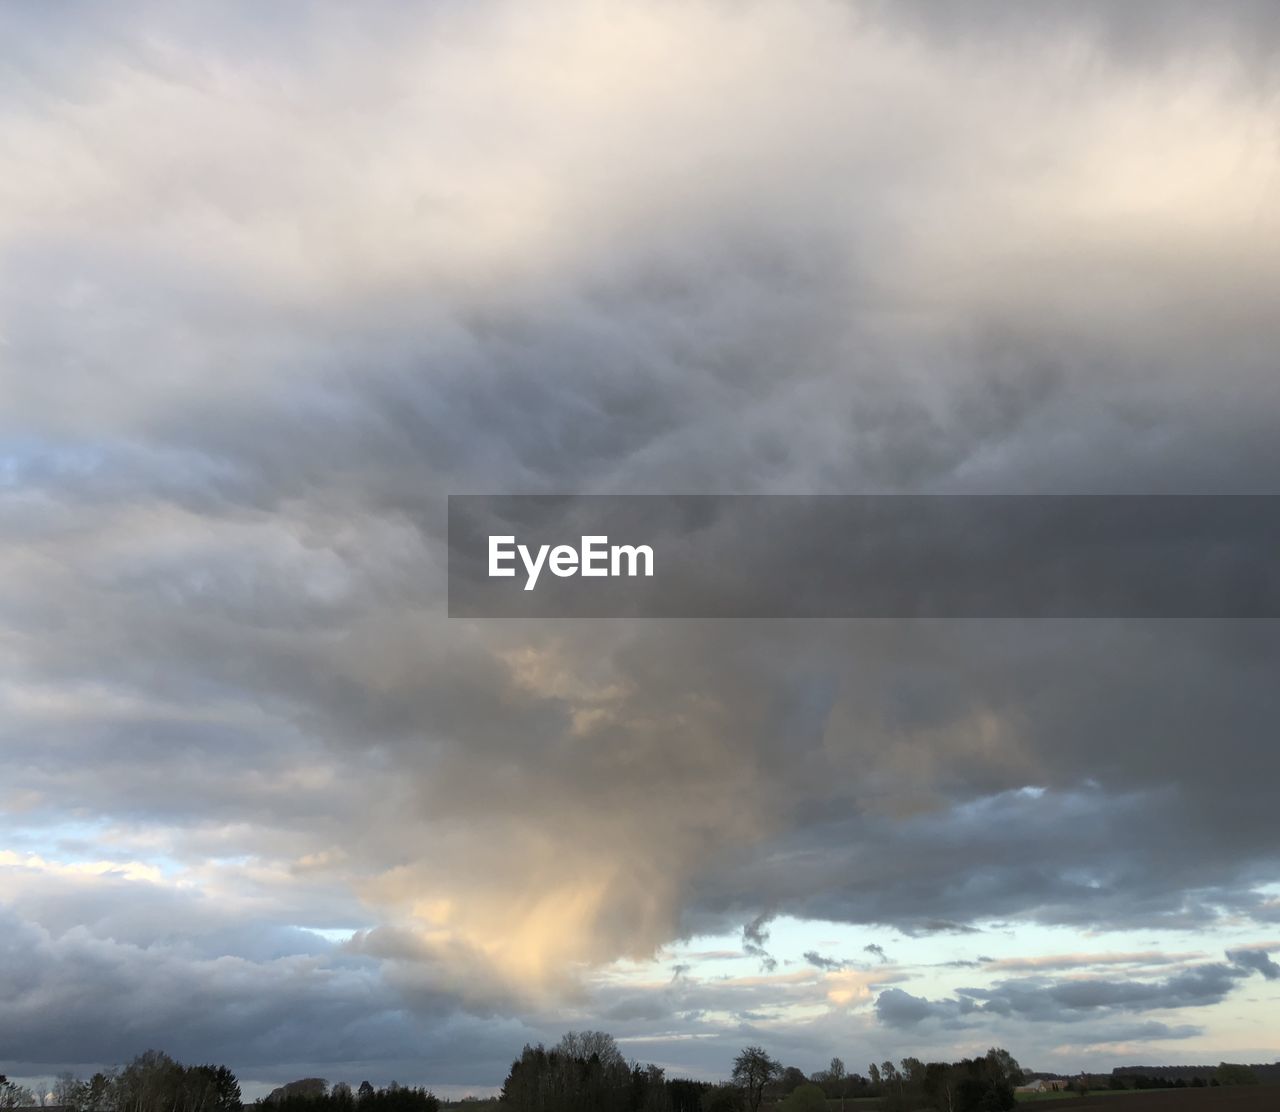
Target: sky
276 281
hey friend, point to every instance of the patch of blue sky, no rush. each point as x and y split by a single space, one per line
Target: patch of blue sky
27 458
334 935
25 831
74 843
30 462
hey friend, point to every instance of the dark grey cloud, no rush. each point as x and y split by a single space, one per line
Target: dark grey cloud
81 997
940 926
1112 861
755 939
1259 960
1045 1000
818 961
896 1007
1205 984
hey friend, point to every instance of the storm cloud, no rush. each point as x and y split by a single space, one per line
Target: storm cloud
276 284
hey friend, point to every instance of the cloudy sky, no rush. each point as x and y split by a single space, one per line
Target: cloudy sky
277 280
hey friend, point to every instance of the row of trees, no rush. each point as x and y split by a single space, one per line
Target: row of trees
155 1082
152 1082
1227 1073
982 1084
313 1094
586 1072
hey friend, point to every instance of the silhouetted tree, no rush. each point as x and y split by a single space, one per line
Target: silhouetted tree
584 1045
585 1072
13 1095
834 1081
1005 1065
753 1069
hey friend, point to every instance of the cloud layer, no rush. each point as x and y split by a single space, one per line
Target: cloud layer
274 285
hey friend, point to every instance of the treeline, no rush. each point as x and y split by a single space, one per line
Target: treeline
984 1084
13 1095
313 1095
585 1072
1224 1073
152 1082
155 1082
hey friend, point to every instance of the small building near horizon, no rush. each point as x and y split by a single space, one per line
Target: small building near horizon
1043 1085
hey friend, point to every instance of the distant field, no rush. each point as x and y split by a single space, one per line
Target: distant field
1235 1098
1241 1098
